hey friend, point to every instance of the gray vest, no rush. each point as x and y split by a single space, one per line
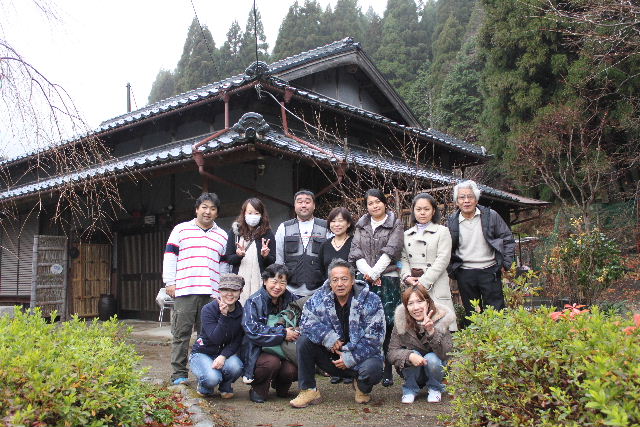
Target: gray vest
303 263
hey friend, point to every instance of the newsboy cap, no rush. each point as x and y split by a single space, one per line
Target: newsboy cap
231 281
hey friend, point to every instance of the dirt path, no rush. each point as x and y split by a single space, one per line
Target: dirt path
336 409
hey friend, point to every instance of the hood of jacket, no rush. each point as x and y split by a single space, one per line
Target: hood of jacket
442 319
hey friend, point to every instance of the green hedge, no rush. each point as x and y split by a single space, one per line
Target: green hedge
74 374
518 368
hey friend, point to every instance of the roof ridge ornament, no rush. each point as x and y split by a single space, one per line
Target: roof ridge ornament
251 126
257 69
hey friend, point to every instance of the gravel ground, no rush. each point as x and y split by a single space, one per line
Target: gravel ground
336 409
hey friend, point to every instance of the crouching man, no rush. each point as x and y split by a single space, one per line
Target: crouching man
343 329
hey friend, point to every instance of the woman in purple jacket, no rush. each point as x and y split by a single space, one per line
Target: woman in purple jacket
213 357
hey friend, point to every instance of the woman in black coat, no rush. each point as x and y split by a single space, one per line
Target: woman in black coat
251 246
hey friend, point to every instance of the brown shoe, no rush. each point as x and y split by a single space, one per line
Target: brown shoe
360 396
226 395
305 398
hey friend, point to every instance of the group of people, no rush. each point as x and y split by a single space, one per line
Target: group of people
352 299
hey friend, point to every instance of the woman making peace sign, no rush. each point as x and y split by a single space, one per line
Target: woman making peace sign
420 343
253 247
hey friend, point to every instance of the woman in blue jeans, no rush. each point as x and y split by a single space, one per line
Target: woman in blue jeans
213 357
420 343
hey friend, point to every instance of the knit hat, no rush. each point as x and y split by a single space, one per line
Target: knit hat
231 281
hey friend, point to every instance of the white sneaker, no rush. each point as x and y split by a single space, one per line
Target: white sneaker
408 398
434 396
247 380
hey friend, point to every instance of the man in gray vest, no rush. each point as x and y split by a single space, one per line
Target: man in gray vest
298 242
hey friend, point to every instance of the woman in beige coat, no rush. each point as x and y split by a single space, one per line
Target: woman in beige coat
426 252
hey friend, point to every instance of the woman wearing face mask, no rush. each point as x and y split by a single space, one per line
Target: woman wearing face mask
426 252
253 246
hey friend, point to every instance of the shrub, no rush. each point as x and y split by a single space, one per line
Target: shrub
518 285
583 265
74 374
522 368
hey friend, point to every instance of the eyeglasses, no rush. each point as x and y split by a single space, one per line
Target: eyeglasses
337 280
466 197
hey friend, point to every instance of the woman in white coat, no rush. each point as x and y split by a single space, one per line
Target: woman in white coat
426 252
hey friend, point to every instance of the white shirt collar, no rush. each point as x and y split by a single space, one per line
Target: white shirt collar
462 218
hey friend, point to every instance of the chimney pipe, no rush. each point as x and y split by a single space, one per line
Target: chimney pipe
128 97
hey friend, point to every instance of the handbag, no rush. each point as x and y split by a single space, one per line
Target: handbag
417 272
288 318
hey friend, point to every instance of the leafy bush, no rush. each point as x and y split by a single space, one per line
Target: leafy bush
522 368
583 265
518 285
74 374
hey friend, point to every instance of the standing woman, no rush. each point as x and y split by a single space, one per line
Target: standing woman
341 225
426 252
376 247
251 246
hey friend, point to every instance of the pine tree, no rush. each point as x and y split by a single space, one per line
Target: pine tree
247 50
373 31
445 48
458 107
163 87
524 69
300 30
197 65
230 61
399 56
346 20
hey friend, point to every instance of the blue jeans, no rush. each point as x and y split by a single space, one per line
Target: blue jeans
209 378
416 377
368 372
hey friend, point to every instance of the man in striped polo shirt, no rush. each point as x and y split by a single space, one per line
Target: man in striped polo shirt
191 272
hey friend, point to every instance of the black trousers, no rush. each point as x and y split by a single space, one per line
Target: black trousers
481 284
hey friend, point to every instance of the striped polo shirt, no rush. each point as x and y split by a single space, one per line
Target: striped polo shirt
192 259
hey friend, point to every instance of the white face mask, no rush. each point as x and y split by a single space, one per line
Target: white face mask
252 219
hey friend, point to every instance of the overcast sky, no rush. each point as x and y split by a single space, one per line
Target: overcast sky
99 46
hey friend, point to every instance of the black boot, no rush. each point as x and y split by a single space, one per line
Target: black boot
255 397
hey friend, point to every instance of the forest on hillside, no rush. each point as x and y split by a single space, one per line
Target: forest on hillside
551 88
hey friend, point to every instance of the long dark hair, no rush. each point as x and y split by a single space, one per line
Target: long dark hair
263 226
424 295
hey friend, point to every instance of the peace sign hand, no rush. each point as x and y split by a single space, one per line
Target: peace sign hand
240 249
427 322
265 248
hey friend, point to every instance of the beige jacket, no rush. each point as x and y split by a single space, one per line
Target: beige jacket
430 251
404 341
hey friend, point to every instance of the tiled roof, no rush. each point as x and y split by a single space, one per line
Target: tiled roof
215 89
182 151
432 134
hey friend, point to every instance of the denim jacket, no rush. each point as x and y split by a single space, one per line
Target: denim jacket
367 327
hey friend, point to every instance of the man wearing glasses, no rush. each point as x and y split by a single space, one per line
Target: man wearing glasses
342 331
482 246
